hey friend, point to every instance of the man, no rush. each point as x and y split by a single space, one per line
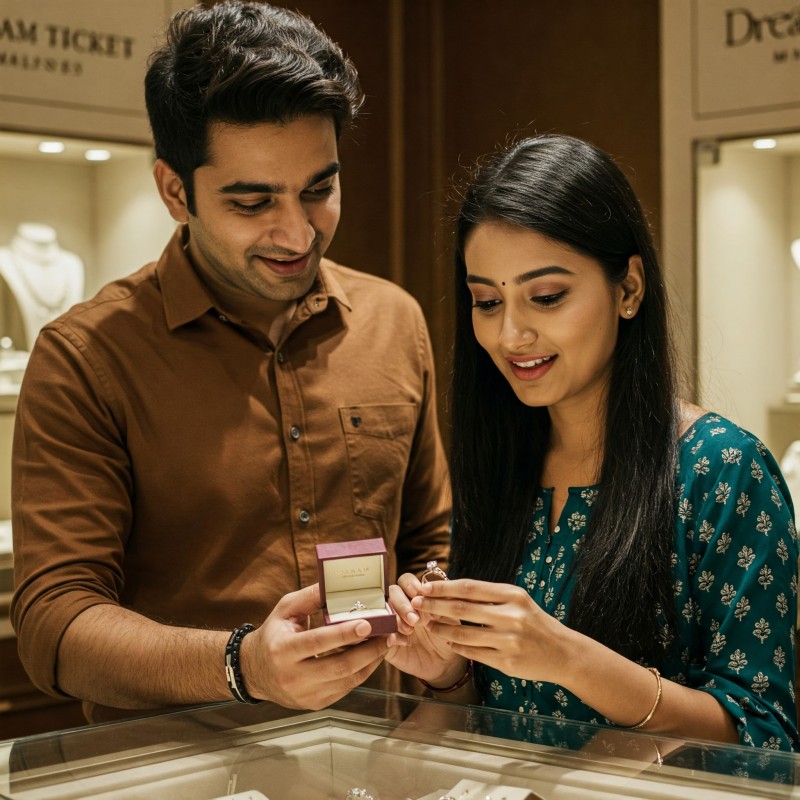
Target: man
185 438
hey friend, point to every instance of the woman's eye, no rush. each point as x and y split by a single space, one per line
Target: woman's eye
485 305
548 299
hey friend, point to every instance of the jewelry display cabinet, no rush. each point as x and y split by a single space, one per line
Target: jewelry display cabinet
376 745
74 214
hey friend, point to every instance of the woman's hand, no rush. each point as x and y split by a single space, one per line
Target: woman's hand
414 649
506 630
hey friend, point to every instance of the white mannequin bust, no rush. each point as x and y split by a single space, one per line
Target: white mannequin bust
44 279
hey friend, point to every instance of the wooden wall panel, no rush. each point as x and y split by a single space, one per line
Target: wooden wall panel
580 67
362 28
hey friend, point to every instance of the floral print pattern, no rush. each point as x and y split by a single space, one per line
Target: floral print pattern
735 569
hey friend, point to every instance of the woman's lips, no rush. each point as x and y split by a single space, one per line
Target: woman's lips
286 268
529 368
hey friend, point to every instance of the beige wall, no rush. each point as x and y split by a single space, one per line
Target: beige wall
743 284
132 224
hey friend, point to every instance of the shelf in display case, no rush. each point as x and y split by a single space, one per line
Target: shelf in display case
393 747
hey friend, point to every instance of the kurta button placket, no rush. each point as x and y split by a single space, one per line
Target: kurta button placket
549 558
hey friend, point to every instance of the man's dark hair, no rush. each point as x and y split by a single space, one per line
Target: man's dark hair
242 64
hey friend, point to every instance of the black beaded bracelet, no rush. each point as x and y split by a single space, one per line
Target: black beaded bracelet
233 669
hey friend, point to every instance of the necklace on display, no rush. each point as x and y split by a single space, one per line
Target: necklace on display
43 279
36 266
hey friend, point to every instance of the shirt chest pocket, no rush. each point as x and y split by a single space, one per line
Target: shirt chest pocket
378 439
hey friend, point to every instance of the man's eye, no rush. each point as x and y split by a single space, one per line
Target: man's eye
322 191
249 208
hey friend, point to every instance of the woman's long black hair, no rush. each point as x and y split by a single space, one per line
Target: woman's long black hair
572 192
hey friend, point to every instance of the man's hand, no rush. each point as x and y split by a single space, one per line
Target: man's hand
285 662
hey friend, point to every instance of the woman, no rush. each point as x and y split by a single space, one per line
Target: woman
624 557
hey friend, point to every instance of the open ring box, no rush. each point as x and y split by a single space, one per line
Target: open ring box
356 572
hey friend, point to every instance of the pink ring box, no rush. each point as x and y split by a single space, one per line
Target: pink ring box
353 573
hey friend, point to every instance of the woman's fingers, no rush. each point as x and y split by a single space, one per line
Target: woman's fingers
400 595
469 590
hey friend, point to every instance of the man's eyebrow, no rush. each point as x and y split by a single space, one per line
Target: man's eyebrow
525 277
255 187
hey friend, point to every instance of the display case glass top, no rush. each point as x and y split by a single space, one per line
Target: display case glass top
388 747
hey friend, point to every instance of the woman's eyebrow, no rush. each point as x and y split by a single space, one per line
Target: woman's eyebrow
525 277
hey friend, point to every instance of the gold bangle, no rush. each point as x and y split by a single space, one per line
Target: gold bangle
655 705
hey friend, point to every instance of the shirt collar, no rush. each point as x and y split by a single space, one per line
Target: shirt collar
328 284
186 297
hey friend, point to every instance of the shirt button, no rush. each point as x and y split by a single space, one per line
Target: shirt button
281 357
548 560
304 516
541 584
294 432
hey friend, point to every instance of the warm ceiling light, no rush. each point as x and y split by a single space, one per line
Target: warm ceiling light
51 147
796 252
765 144
97 155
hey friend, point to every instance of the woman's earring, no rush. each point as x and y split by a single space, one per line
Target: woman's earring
629 311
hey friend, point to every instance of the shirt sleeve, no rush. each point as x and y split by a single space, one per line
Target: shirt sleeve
425 522
743 572
71 500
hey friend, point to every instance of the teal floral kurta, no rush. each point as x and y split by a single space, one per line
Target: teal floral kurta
735 568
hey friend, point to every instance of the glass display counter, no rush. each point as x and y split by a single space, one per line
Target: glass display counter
381 746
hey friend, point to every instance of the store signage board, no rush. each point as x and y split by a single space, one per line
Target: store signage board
76 67
745 56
